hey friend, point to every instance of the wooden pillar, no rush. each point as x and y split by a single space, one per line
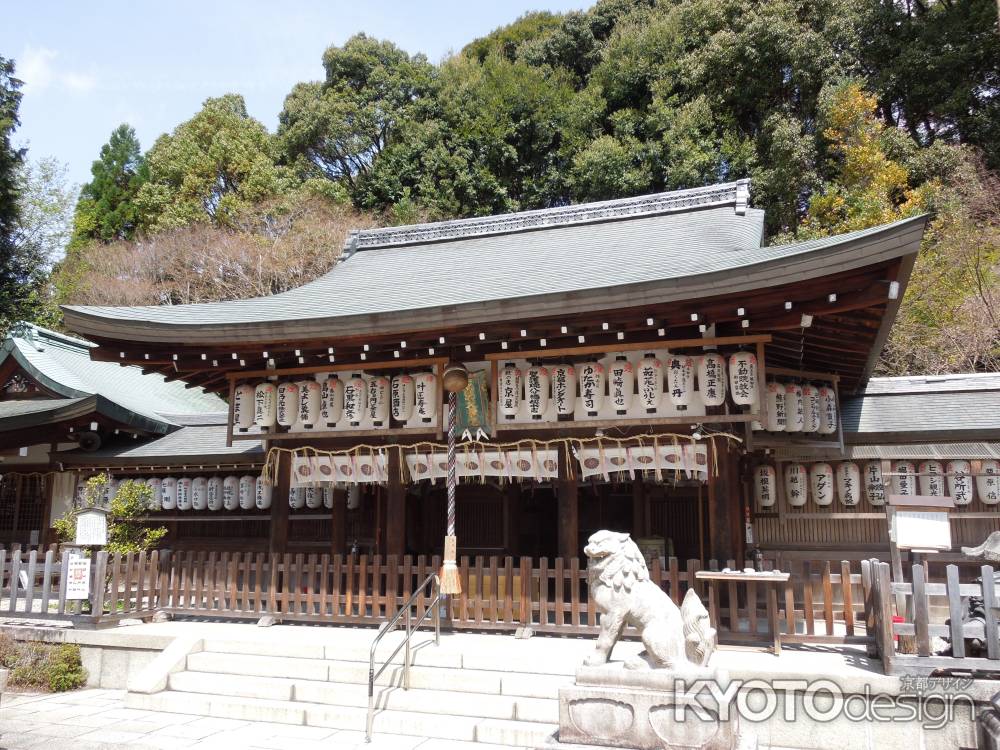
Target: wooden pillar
278 542
512 519
338 523
723 507
568 511
395 508
639 508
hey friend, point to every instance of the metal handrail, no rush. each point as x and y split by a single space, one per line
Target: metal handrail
403 612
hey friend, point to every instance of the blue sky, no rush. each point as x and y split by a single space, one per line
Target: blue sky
89 66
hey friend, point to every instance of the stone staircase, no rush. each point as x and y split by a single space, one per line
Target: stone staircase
453 695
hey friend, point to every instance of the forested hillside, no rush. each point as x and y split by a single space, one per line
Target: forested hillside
845 113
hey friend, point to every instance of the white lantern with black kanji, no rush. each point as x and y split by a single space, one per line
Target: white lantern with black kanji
712 379
262 493
796 485
425 397
536 390
378 401
214 493
810 408
288 403
401 398
509 387
231 493
743 378
592 387
765 481
621 383
243 406
168 493
848 483
988 482
184 493
333 400
564 389
827 411
874 483
650 378
904 480
821 483
265 405
310 402
680 381
931 480
156 490
355 400
960 484
313 497
199 493
248 492
328 490
777 417
297 497
794 412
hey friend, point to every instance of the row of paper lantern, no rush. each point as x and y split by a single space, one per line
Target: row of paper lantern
800 408
621 383
820 481
336 402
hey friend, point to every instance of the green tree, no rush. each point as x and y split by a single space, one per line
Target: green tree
107 208
127 512
16 272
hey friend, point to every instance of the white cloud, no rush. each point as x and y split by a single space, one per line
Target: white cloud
81 82
38 69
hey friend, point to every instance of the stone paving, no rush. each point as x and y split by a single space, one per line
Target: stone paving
94 719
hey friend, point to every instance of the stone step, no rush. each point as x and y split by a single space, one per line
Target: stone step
423 650
355 694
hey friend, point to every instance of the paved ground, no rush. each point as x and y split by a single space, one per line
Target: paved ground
94 719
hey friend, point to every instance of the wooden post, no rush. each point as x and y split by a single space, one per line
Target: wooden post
568 509
278 542
338 523
512 518
395 510
639 527
725 523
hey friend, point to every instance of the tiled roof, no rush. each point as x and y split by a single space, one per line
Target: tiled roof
205 443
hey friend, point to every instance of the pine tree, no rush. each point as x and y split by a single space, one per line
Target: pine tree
107 209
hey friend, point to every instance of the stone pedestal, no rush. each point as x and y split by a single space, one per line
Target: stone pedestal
613 707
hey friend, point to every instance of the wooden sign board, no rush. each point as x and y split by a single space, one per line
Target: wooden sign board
920 523
92 527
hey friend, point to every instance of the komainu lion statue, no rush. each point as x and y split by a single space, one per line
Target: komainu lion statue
620 586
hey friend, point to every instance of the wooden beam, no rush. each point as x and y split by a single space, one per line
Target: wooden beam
576 351
395 364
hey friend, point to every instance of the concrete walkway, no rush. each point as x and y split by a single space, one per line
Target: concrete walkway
95 719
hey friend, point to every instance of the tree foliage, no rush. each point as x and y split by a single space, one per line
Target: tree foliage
107 209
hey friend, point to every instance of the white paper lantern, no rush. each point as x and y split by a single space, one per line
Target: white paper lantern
401 398
243 406
796 485
821 483
297 498
743 378
960 484
592 387
874 483
425 398
265 405
184 493
314 497
536 391
231 493
288 404
680 381
988 482
904 480
214 493
810 408
248 491
827 411
333 400
110 490
355 400
378 401
931 480
310 402
848 483
328 491
650 378
564 389
353 496
509 385
199 493
794 412
156 499
712 379
263 493
776 415
621 381
765 484
168 493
